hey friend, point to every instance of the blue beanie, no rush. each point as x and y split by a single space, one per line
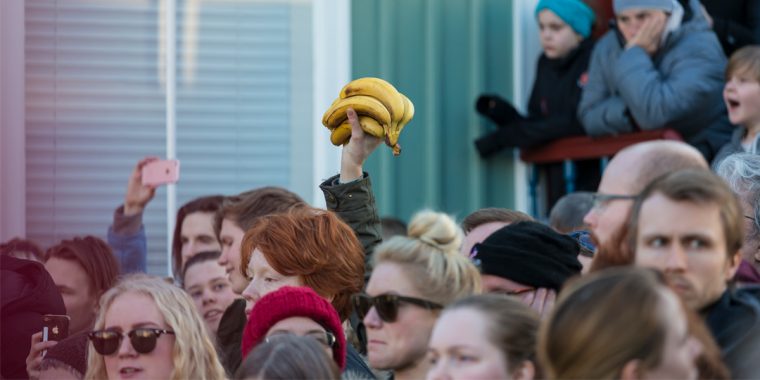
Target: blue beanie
573 12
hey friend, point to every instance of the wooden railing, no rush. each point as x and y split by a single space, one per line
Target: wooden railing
571 149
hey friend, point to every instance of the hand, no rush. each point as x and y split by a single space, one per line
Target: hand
138 195
359 147
542 301
34 359
648 37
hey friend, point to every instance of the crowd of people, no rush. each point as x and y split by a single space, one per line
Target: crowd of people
654 275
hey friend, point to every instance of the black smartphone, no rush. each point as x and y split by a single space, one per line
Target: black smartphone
55 327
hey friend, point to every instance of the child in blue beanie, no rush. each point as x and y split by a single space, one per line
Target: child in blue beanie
565 30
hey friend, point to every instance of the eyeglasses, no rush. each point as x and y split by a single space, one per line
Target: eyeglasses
143 340
386 305
324 338
599 200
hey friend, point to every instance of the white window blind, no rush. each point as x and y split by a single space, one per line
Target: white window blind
96 104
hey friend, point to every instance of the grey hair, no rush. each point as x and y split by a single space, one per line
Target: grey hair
742 173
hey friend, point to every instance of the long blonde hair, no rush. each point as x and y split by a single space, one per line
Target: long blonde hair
194 355
429 255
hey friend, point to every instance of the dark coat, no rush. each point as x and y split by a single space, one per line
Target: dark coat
27 292
736 22
734 321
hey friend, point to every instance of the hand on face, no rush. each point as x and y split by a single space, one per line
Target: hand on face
541 300
649 35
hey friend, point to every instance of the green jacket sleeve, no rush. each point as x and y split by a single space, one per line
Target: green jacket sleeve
354 202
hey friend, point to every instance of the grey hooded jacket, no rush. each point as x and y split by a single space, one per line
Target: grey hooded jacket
680 87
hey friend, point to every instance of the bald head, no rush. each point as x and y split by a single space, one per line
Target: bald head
646 161
632 169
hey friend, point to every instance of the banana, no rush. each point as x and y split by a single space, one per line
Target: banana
394 131
340 135
380 90
363 105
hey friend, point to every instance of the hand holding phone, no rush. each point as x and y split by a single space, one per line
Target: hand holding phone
55 327
160 172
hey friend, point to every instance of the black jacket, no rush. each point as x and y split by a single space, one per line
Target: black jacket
27 292
736 22
734 321
556 92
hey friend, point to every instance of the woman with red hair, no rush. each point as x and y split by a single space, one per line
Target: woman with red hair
305 247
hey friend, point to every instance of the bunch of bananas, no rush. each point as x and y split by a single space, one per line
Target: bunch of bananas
383 111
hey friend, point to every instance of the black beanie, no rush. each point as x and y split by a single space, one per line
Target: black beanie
529 253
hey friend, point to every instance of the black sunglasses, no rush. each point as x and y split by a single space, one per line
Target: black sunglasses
387 305
107 342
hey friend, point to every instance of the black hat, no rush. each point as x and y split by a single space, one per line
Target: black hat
529 253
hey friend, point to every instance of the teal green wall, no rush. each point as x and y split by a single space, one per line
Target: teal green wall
442 54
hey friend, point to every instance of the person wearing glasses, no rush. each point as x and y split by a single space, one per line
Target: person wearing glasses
488 336
147 328
414 278
296 311
621 323
289 357
625 176
527 260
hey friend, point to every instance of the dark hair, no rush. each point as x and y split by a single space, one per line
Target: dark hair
392 227
198 258
208 204
696 186
288 357
512 326
22 245
493 214
247 207
95 257
567 214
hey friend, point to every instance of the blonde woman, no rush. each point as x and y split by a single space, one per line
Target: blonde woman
149 329
414 277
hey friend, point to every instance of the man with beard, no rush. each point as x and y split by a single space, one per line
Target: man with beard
688 224
625 176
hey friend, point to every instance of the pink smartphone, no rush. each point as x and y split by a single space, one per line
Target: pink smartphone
160 172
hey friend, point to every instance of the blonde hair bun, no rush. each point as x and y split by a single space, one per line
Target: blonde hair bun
436 229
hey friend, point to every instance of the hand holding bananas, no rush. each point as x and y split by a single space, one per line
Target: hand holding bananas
383 111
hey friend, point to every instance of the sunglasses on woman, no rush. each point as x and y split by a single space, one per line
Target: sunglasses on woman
143 340
386 305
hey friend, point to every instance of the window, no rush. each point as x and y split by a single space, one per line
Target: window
96 102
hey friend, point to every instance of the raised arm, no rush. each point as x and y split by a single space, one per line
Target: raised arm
126 235
349 194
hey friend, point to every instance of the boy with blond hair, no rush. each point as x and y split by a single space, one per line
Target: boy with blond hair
742 97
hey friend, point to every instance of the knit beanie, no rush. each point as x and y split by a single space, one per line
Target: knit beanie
624 5
289 302
529 253
69 354
573 12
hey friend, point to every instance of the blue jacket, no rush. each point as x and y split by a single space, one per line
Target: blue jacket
126 236
679 87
